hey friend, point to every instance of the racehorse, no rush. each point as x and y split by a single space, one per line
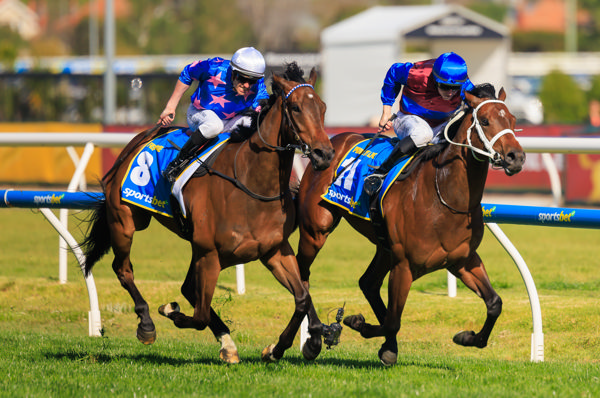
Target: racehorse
432 218
233 220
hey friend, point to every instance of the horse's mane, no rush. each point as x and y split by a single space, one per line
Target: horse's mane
292 72
484 90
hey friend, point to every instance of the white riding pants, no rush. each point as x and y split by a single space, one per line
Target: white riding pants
416 128
210 125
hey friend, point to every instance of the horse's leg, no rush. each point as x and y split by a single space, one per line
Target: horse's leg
228 352
123 222
474 276
370 284
399 285
316 224
283 265
205 273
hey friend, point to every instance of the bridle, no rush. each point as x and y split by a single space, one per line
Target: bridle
290 147
494 157
301 146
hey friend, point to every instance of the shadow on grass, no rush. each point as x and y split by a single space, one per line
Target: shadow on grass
159 359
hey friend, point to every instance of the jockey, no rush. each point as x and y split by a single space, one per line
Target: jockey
433 90
225 91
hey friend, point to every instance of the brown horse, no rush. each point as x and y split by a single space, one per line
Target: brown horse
433 218
231 221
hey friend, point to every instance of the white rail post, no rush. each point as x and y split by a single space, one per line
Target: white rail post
537 338
78 175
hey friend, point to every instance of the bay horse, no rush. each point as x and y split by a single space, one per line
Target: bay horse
234 220
433 218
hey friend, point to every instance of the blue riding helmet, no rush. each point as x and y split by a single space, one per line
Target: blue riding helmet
450 68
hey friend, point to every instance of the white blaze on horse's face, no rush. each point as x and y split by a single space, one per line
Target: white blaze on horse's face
502 113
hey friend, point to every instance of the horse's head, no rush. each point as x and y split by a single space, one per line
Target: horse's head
305 114
495 128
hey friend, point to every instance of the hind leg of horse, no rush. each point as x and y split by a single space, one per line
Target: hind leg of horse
475 277
205 273
228 352
315 227
399 284
370 284
284 267
122 227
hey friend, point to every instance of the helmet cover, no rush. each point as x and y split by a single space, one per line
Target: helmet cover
450 68
248 61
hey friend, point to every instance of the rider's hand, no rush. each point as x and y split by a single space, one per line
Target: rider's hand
166 118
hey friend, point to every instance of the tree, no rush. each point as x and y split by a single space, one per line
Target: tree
563 100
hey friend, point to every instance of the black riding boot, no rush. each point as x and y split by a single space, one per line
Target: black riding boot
185 155
373 182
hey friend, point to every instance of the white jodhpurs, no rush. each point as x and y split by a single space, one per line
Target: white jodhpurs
210 125
205 121
416 128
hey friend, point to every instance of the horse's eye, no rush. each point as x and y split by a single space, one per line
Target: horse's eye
484 122
295 108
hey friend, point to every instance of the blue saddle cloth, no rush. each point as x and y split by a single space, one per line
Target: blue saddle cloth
346 191
144 185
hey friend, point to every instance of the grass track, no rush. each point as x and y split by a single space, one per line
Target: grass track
45 350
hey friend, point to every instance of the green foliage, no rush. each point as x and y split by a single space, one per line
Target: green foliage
537 42
564 101
594 91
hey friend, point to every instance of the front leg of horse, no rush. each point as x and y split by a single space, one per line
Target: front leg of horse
480 340
228 352
475 277
282 264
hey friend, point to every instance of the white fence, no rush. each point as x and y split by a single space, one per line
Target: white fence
89 141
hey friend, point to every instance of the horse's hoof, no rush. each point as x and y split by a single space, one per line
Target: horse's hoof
229 356
267 354
355 322
167 309
388 358
146 337
464 338
311 351
228 352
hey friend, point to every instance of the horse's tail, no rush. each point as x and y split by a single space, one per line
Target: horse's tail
97 241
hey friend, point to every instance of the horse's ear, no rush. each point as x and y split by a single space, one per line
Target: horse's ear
278 81
472 100
502 94
313 76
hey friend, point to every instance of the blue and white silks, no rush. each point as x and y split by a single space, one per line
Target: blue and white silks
144 185
346 191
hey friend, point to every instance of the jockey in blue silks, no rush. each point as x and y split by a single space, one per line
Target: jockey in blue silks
226 91
432 91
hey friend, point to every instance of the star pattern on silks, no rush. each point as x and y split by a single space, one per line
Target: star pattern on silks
216 80
248 93
219 100
229 115
197 104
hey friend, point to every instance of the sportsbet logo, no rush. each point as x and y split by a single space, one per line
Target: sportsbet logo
487 213
146 198
48 199
555 217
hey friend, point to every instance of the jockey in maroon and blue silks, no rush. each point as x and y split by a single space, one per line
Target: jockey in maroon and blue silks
225 91
432 91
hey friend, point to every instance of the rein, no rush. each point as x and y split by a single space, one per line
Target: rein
303 147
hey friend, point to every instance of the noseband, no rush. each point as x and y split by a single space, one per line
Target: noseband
494 157
301 146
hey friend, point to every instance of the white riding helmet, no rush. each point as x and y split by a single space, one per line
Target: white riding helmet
248 61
